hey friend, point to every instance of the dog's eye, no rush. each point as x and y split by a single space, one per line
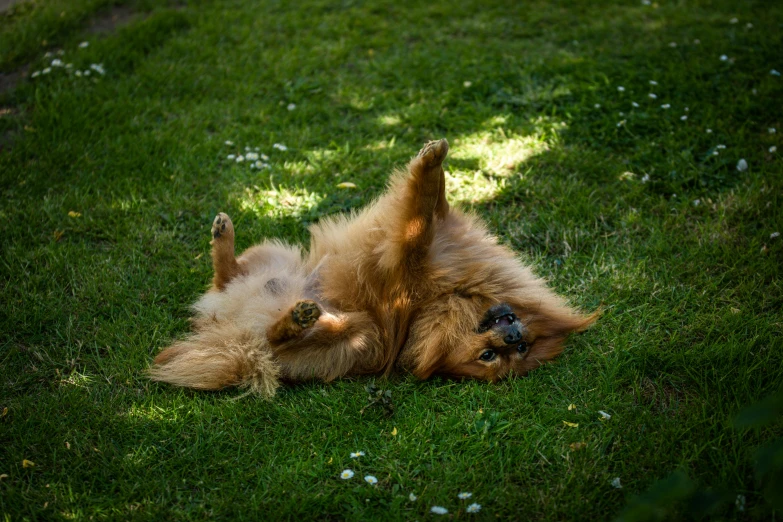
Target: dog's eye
522 347
488 355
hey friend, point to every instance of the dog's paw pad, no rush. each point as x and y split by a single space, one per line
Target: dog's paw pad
222 226
434 152
306 313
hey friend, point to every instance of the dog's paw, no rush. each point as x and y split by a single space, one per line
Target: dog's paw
222 226
305 313
434 152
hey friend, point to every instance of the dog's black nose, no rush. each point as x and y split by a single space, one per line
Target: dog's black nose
513 335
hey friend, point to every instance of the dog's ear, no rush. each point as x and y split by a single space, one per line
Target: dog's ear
428 362
550 331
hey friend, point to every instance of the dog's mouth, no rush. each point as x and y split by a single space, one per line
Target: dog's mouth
498 316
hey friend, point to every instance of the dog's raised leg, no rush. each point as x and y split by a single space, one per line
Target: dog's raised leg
301 316
223 260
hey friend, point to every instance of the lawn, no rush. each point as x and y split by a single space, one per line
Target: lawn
627 150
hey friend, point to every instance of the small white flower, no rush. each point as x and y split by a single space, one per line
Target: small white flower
86 72
774 72
35 74
674 195
240 158
697 41
709 131
247 149
652 96
355 455
60 52
653 82
68 65
723 58
264 157
646 2
251 156
279 146
720 146
645 178
48 54
473 508
412 497
256 149
683 117
83 45
733 21
291 106
672 44
57 62
686 109
261 165
774 235
742 165
597 105
439 510
715 153
229 143
634 104
773 149
696 202
370 479
346 474
749 25
665 106
78 73
616 481
604 415
621 88
621 114
467 83
621 123
464 495
772 130
740 502
47 70
231 156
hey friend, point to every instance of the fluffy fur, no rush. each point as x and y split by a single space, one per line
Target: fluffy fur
408 283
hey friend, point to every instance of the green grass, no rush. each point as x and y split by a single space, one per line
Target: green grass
692 330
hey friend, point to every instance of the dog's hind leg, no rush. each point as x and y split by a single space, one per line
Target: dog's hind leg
223 260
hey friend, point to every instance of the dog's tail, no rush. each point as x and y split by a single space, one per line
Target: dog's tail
217 358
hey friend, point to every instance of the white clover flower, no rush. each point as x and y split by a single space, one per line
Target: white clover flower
653 82
774 235
231 156
774 72
773 149
723 58
291 106
621 88
412 497
473 508
346 474
279 146
772 130
597 105
439 510
357 454
240 158
665 106
464 495
604 415
733 20
370 479
684 117
83 45
616 481
47 70
467 83
645 178
634 104
652 96
35 74
742 165
57 62
229 142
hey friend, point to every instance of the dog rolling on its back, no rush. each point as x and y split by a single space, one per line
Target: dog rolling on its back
408 283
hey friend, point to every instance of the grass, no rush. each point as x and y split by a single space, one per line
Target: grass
109 185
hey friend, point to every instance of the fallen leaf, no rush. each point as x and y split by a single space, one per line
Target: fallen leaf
74 214
576 446
571 407
394 432
330 460
346 184
571 424
58 234
67 445
5 412
28 463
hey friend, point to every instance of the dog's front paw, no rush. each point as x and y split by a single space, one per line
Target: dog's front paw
305 313
434 152
222 226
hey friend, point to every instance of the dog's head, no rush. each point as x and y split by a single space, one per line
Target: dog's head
483 313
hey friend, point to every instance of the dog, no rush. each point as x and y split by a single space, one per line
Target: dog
407 284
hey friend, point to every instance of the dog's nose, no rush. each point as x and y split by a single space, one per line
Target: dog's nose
513 335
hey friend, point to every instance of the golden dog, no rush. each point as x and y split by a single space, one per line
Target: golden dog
408 283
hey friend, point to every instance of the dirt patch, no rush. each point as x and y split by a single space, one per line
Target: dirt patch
108 22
